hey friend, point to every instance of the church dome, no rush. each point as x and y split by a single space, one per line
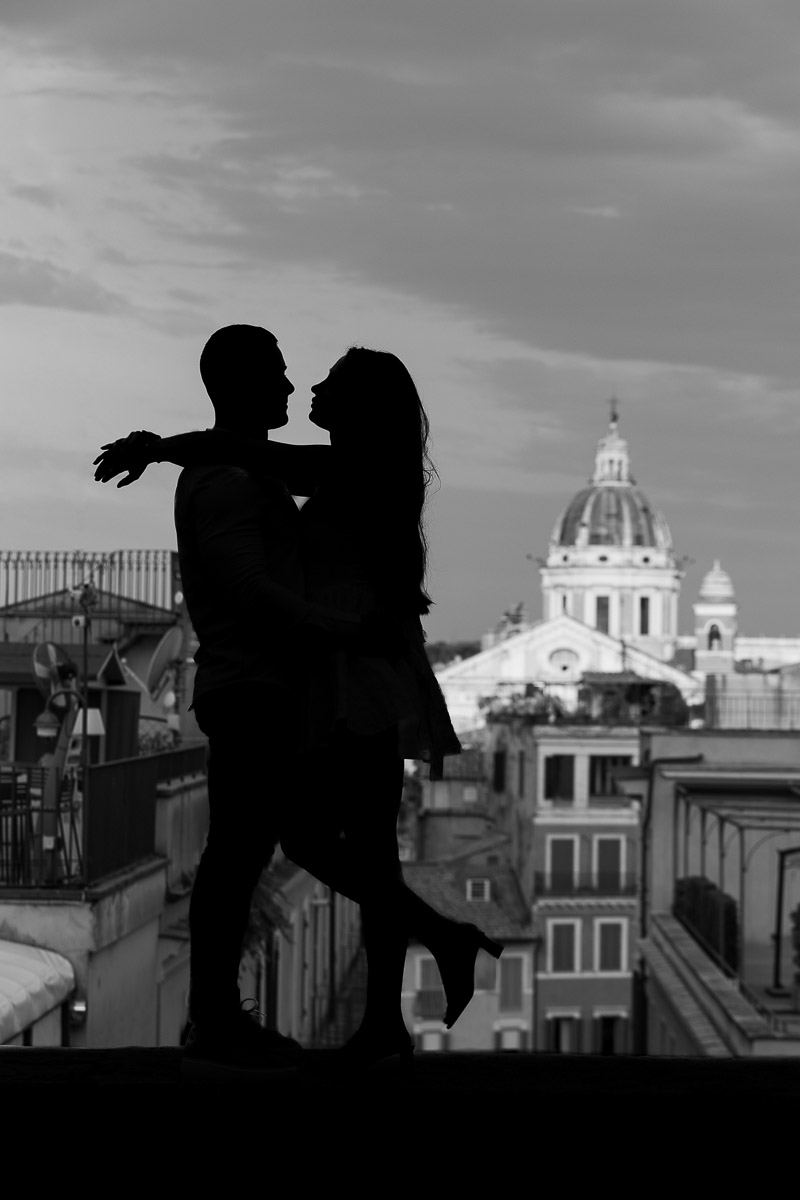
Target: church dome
612 511
717 585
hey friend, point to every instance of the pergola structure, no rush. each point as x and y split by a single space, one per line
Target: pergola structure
740 802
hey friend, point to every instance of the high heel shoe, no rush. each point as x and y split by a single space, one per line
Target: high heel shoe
456 965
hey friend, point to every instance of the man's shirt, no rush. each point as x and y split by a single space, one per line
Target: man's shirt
242 576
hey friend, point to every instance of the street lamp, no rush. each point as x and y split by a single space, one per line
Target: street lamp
47 725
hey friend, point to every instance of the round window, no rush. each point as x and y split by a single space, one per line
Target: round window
564 660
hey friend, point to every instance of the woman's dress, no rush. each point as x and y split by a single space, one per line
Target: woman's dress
362 693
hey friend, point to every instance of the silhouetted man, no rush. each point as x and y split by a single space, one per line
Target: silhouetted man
238 544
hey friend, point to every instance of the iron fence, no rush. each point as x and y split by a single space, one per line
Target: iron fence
585 883
145 577
179 764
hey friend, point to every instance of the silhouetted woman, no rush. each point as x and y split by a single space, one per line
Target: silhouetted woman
364 550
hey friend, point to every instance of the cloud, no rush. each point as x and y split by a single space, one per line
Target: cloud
37 194
31 281
609 211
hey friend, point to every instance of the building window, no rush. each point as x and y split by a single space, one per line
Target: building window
499 772
714 637
564 1035
562 863
563 601
610 1033
520 773
563 945
600 781
470 793
511 984
601 620
609 861
644 614
432 1040
477 889
609 945
559 777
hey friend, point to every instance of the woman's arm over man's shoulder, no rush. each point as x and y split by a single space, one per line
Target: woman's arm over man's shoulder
301 468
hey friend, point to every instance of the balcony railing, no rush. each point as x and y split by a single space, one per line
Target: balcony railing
72 840
768 709
585 884
430 1004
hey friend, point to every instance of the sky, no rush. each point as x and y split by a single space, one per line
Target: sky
535 206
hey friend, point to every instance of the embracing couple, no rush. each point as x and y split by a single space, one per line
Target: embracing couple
312 680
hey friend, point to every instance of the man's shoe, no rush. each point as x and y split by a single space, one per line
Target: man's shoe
237 1047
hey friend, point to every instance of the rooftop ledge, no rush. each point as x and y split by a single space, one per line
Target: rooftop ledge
467 1075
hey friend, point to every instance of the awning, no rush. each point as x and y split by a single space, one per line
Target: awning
32 982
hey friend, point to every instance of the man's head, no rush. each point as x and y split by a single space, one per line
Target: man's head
245 376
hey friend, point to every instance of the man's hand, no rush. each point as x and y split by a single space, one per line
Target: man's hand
131 454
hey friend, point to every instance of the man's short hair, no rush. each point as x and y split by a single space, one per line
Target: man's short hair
228 350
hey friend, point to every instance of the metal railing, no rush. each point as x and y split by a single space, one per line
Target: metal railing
768 709
121 825
586 883
83 839
48 577
180 764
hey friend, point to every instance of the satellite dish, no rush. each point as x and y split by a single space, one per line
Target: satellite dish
53 669
166 652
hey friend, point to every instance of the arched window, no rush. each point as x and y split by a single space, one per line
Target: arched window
563 601
714 637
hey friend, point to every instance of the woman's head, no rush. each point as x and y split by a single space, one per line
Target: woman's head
363 391
371 406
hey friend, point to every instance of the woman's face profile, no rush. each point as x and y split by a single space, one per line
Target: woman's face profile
328 395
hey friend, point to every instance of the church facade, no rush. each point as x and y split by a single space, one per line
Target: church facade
610 589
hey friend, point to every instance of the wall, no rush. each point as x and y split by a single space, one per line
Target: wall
122 992
181 826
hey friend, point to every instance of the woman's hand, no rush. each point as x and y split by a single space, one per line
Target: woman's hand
131 454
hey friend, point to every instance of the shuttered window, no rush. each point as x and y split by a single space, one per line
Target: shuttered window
499 773
510 983
609 861
563 935
610 946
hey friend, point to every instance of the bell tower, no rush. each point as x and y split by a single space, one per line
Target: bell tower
715 622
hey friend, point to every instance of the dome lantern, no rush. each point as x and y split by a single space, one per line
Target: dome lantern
612 463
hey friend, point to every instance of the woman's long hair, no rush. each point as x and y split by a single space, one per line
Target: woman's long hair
387 453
